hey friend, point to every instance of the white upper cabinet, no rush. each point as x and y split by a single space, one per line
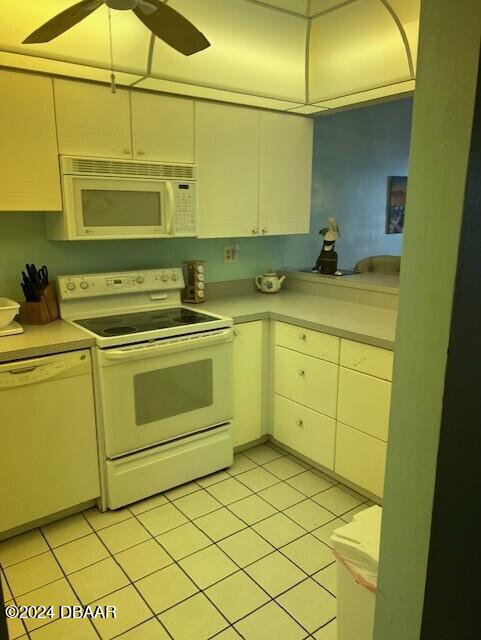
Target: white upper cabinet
254 171
162 128
227 157
285 171
91 120
29 173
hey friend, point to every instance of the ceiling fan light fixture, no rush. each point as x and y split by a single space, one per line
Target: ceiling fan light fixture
162 20
122 5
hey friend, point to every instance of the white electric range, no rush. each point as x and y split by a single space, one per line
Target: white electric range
163 380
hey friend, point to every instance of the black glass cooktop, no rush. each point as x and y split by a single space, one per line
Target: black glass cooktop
108 326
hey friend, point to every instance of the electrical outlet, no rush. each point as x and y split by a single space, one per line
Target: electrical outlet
231 253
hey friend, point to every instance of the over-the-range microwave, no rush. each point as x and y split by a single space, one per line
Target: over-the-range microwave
107 199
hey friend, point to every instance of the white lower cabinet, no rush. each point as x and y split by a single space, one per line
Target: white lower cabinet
364 403
304 430
248 382
309 381
331 402
360 458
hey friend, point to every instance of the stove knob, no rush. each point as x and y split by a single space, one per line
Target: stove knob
139 279
164 277
70 286
175 277
84 285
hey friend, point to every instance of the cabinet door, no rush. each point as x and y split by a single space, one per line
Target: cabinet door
227 154
308 381
248 378
29 173
285 173
364 402
162 128
91 120
306 431
360 458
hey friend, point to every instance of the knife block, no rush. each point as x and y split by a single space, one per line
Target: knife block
45 310
36 312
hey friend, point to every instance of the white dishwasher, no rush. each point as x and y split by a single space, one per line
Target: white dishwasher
48 444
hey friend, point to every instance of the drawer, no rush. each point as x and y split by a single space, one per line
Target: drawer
360 458
312 343
306 380
367 359
364 402
306 431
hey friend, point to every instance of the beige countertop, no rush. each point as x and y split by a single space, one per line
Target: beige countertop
363 323
381 282
41 340
372 325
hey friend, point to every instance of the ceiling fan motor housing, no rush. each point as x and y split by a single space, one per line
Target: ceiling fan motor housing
121 5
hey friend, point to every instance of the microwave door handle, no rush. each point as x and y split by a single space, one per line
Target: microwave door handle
175 346
170 208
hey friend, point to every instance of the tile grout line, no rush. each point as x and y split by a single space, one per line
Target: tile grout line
68 582
201 590
13 598
214 542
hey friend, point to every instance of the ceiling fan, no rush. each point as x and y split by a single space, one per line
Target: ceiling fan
164 22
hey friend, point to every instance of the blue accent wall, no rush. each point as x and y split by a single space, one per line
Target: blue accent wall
354 153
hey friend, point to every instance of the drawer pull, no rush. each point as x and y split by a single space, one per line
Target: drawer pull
236 333
300 423
302 336
301 372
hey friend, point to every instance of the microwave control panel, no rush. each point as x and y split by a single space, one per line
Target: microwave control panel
185 195
106 284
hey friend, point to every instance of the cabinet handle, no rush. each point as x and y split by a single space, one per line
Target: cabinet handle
236 333
254 232
302 336
127 151
301 372
141 152
264 230
300 423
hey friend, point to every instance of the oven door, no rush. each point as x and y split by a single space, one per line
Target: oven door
154 392
108 208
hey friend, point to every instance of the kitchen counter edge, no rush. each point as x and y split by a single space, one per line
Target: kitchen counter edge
43 340
263 307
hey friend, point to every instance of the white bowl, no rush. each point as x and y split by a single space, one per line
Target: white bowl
8 311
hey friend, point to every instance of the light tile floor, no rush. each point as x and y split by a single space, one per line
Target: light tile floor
243 553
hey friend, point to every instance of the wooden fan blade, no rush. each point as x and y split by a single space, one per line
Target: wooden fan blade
171 27
63 21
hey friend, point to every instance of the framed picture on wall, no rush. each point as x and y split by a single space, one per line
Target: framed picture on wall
396 203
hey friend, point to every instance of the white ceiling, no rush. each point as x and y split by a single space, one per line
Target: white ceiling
261 53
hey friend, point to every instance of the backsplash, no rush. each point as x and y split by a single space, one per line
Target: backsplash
22 239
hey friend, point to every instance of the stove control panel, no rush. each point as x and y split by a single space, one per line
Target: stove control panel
106 284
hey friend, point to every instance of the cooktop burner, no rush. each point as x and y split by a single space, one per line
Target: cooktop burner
125 324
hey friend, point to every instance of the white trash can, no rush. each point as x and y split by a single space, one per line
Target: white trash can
356 547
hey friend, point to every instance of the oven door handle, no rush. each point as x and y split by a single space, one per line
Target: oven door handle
177 345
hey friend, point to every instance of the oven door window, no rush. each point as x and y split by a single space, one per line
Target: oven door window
172 391
115 208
